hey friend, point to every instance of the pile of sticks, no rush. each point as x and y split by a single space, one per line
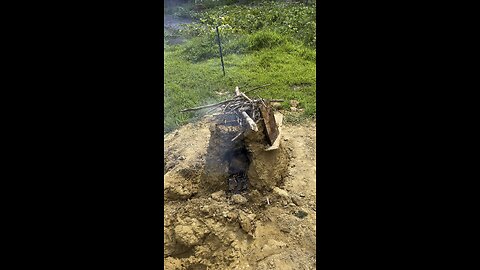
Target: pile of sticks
241 108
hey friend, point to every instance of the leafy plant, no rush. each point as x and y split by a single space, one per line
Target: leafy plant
293 20
265 39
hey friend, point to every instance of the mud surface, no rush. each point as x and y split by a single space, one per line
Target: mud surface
266 227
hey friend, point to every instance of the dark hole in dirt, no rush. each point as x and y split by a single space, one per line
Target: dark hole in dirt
300 214
238 162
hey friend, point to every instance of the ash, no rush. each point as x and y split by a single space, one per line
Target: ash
237 183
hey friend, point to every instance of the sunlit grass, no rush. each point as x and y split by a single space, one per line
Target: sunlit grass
190 84
272 54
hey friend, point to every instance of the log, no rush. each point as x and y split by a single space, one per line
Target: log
276 143
250 122
271 128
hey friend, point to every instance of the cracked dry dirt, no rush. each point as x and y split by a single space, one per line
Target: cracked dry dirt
267 229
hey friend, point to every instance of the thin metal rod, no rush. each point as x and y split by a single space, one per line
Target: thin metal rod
220 47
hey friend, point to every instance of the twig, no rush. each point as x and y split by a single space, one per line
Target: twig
237 136
255 88
208 106
212 110
247 98
263 102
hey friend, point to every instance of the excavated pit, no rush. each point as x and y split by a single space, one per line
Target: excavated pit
243 164
269 225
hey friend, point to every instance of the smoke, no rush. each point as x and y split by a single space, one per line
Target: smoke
174 3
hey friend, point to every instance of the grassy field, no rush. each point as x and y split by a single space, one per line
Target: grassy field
253 56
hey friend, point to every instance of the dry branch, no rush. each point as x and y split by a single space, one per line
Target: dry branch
237 136
245 96
258 87
250 122
207 106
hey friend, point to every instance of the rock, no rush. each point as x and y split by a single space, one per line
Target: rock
294 103
301 214
297 200
272 247
255 196
293 109
285 229
276 244
205 209
239 199
281 196
174 189
281 192
172 263
245 222
218 196
190 233
186 236
276 105
232 216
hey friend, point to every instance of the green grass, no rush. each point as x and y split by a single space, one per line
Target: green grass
267 55
189 84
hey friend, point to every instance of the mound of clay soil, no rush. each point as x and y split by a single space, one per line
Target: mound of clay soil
266 223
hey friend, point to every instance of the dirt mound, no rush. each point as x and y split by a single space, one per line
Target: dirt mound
268 225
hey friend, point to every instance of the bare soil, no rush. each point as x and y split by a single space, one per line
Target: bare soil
263 228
